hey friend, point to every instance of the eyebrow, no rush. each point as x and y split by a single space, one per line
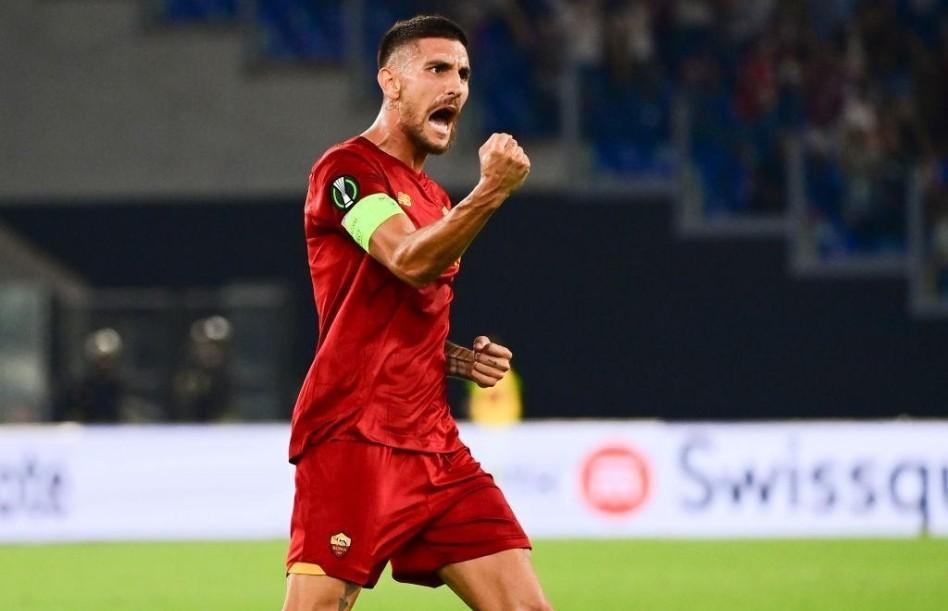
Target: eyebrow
463 70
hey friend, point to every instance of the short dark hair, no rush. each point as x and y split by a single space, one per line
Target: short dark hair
422 26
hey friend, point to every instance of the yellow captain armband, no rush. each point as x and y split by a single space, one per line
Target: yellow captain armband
366 216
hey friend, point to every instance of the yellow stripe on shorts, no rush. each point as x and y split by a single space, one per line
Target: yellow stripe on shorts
305 568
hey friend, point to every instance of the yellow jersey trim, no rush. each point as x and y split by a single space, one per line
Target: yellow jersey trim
366 216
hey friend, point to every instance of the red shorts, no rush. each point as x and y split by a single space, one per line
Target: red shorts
359 505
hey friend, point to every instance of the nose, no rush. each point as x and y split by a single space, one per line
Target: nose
454 85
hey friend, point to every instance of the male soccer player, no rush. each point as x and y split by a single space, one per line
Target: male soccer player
381 474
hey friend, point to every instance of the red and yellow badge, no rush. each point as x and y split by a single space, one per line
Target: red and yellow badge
339 544
404 199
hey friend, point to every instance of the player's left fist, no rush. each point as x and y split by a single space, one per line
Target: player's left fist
491 362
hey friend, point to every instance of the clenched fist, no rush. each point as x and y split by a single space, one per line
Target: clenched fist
491 362
504 165
485 365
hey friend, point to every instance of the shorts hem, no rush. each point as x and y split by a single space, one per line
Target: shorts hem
494 546
359 578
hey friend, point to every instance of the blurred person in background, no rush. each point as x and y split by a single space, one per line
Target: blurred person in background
381 473
861 159
497 405
98 396
585 21
202 385
518 43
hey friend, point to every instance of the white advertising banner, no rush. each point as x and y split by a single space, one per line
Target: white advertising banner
69 483
563 479
640 479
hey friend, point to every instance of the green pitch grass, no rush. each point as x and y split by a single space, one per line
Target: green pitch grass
582 575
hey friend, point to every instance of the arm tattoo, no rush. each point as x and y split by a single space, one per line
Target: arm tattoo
459 361
344 600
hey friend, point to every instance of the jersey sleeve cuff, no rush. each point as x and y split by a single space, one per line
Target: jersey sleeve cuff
366 216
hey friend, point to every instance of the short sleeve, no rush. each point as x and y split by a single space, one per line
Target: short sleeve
341 179
348 191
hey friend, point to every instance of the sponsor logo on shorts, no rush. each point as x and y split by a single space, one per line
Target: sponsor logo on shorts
344 191
339 544
404 199
616 480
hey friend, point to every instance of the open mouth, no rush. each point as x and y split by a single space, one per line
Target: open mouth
442 118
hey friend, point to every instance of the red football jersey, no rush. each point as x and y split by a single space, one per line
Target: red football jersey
379 370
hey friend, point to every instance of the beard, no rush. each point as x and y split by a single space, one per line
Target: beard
415 130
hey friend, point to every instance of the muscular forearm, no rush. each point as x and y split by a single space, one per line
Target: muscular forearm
424 254
419 255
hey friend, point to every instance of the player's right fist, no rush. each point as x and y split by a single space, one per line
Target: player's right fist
504 165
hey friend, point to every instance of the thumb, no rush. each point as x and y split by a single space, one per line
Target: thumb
481 342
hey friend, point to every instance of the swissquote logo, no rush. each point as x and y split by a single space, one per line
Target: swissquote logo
615 480
344 191
339 544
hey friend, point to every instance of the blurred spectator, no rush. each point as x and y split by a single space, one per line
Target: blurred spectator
98 396
626 100
517 56
757 82
202 385
715 142
584 21
692 24
500 405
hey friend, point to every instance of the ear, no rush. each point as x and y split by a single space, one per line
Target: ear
389 83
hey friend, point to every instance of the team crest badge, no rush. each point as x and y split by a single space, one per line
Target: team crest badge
404 199
339 544
344 191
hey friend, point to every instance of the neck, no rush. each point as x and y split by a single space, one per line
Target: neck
385 134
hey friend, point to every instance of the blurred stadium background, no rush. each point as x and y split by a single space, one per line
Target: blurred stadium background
728 275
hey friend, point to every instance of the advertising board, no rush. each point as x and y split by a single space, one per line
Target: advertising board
563 479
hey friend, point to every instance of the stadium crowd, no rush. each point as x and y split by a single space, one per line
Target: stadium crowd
860 83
